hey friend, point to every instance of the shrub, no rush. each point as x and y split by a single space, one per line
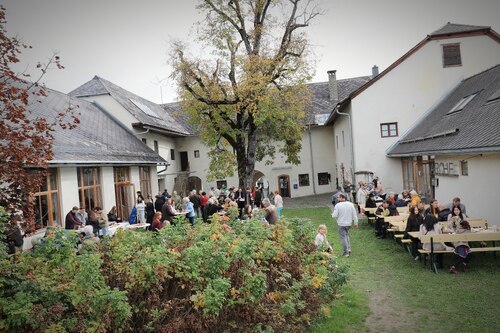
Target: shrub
219 277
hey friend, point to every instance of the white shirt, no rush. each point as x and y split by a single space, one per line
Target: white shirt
278 201
321 239
345 213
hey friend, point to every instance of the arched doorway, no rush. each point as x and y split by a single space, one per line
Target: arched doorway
193 183
260 180
284 185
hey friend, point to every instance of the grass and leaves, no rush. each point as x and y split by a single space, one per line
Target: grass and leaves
387 291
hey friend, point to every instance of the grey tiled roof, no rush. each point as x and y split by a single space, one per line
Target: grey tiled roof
320 98
96 140
320 101
129 100
175 111
473 129
453 28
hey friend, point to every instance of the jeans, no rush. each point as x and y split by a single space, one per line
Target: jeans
344 239
104 230
279 212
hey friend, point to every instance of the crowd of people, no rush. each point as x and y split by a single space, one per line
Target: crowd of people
197 204
422 219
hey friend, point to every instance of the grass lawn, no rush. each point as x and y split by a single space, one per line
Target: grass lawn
389 292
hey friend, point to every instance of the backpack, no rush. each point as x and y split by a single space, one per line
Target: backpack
133 216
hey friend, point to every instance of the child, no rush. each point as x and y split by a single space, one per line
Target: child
320 241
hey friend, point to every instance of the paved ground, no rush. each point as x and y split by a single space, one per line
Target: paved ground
320 200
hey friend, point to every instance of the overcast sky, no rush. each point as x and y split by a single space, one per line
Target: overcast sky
126 41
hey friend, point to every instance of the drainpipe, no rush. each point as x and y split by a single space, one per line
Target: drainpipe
351 139
312 160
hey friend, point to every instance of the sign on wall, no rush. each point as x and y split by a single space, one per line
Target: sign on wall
446 168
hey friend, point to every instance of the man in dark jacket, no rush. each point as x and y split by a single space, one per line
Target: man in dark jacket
195 199
159 202
71 220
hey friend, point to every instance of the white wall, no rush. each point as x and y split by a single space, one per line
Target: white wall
114 108
322 157
68 190
478 191
108 188
404 95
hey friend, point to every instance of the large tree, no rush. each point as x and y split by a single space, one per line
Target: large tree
247 97
25 140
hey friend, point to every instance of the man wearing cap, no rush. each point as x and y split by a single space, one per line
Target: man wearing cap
71 221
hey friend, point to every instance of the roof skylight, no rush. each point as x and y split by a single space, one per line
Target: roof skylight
494 98
321 118
462 103
145 109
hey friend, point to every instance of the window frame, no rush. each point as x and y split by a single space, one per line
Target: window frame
304 180
172 154
95 186
324 178
382 125
464 168
196 154
156 146
53 206
145 180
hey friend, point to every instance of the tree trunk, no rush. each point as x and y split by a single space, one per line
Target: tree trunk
251 148
241 159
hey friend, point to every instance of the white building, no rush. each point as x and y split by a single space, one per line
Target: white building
99 163
374 117
461 136
177 142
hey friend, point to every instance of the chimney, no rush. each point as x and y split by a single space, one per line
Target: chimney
374 71
332 80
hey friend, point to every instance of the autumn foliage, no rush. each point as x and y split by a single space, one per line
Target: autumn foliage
25 140
206 278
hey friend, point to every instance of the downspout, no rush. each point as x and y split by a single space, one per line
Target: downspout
351 139
312 160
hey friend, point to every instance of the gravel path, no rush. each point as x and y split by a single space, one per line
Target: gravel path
320 200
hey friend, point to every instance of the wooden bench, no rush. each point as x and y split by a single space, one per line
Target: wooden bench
468 237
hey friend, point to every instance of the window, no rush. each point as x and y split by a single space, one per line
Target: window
89 187
46 202
323 178
304 179
451 55
145 141
494 98
145 180
196 153
221 183
388 130
464 168
172 154
156 146
124 192
462 103
144 108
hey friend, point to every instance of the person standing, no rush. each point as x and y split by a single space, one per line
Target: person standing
141 211
159 202
103 220
278 202
345 213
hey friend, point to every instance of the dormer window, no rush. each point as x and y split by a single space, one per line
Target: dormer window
462 103
451 55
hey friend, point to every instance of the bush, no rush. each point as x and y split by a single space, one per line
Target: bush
234 277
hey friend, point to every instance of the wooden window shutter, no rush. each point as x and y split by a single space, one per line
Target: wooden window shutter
451 55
